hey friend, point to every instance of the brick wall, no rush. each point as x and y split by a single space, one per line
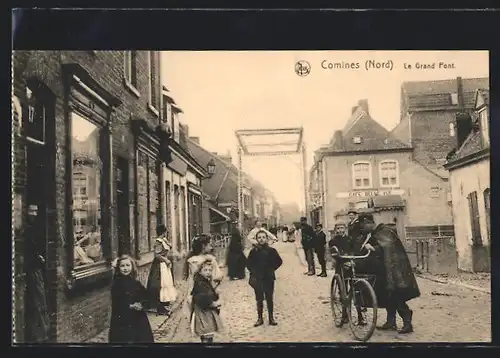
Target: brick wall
81 317
415 180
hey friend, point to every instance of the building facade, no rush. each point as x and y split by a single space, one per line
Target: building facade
469 166
89 142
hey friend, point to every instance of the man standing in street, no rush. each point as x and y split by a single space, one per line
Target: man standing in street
319 248
353 227
308 238
396 283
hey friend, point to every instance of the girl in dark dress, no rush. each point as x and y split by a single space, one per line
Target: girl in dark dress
129 298
236 259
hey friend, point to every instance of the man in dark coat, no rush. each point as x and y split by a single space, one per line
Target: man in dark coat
397 283
307 242
353 227
319 248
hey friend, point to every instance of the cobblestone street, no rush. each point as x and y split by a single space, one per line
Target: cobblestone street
443 313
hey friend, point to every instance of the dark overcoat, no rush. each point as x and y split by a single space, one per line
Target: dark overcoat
236 259
262 262
129 325
396 280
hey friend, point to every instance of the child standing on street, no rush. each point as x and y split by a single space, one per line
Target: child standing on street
160 281
262 262
206 304
129 298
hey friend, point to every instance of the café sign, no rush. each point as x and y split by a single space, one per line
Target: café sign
369 193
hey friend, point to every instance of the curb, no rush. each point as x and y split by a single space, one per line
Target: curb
455 283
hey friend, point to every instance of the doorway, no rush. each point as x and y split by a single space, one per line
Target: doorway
122 204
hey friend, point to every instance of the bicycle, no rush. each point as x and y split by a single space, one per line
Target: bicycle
360 295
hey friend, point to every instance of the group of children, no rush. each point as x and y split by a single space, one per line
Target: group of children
130 299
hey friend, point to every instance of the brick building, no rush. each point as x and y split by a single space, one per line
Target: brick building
469 166
366 167
90 145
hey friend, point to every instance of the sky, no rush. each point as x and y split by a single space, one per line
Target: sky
224 91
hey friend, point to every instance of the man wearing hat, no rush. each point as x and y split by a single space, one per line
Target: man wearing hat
353 229
396 284
308 241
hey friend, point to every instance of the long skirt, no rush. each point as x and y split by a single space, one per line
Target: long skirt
236 263
205 322
168 292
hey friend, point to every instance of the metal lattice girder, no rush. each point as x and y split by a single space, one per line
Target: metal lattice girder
270 141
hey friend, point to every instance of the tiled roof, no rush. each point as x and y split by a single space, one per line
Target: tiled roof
373 137
472 144
444 86
437 94
486 95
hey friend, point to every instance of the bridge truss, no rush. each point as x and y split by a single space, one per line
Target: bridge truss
270 142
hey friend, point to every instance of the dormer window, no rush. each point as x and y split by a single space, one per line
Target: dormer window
357 140
454 98
484 125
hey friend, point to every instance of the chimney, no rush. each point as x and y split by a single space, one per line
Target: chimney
195 139
463 127
338 140
460 93
363 103
186 129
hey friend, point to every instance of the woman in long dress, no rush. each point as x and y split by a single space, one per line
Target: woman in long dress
236 259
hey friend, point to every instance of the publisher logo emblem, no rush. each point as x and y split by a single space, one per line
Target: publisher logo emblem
302 68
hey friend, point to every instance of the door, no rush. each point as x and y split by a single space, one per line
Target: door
122 204
37 325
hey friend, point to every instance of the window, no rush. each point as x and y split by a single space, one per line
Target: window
154 82
452 129
474 219
389 173
486 195
454 98
183 217
483 122
34 120
172 121
361 205
177 214
131 71
195 214
361 174
87 182
147 200
357 140
246 202
175 127
168 211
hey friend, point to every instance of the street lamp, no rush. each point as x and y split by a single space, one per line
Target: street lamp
211 168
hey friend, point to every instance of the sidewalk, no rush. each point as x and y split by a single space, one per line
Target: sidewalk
476 282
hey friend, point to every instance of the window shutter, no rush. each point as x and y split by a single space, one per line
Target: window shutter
154 75
474 217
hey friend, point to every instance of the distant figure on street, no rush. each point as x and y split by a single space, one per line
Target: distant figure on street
308 236
319 248
160 281
206 304
252 235
262 262
396 283
236 259
129 299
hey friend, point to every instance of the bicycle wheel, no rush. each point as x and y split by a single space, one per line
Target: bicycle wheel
337 299
362 309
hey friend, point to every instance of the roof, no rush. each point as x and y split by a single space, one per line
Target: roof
373 137
387 202
424 95
473 144
485 93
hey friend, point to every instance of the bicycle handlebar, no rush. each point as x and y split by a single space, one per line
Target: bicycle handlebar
350 257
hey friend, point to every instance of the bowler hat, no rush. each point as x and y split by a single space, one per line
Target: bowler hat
364 217
352 211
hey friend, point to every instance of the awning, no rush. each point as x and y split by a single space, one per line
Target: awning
178 165
387 202
220 213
